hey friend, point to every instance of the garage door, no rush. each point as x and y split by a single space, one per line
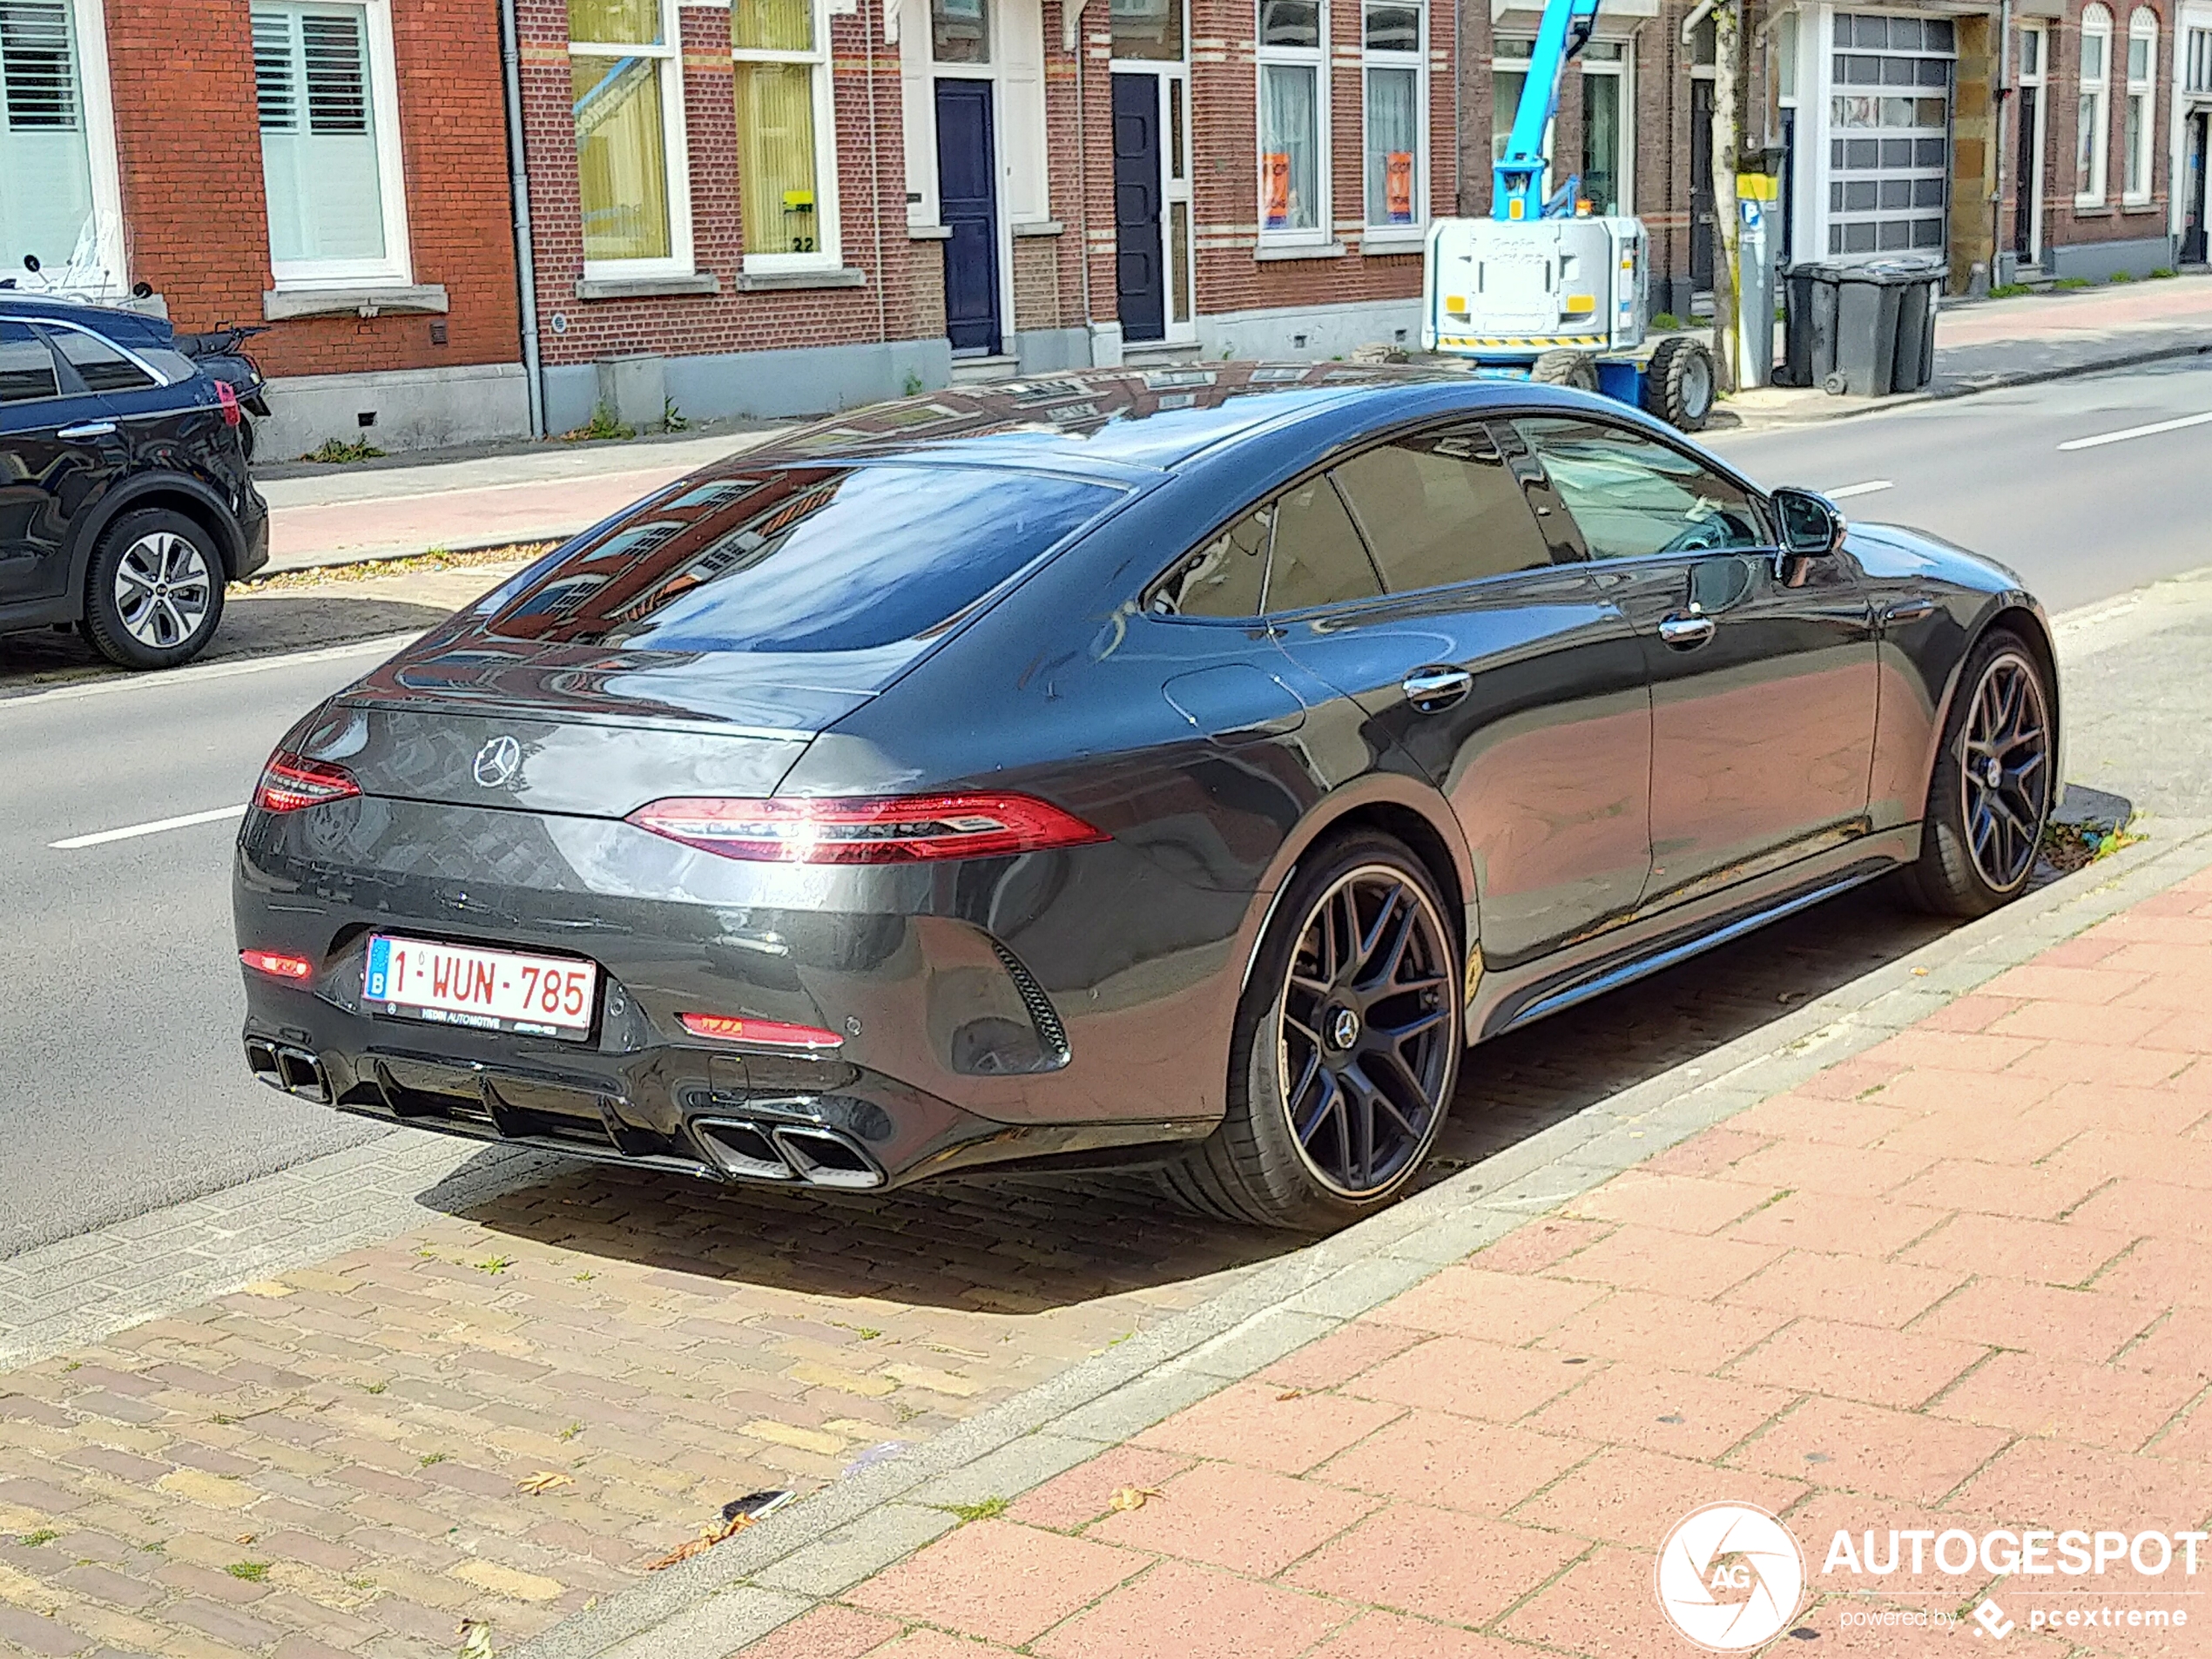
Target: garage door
1889 152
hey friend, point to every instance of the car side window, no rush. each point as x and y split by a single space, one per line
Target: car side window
102 367
1319 559
26 366
1442 508
1226 578
1631 495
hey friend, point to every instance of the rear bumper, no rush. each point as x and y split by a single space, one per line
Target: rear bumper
1070 1006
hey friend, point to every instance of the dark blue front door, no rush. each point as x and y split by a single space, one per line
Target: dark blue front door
968 205
1140 274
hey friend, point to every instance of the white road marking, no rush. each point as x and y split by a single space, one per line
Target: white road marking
1867 489
100 838
2126 433
170 678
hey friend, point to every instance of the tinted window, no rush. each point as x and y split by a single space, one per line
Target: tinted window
26 366
1318 558
1631 495
1441 509
1222 578
104 368
803 559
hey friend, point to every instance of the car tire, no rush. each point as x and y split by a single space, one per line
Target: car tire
1678 383
1565 368
1981 830
154 595
1370 893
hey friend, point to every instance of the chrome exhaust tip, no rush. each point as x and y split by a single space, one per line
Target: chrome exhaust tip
752 1150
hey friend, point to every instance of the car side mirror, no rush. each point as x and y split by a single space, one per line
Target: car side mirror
1810 523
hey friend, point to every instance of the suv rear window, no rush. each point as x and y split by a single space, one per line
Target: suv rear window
104 368
26 366
801 559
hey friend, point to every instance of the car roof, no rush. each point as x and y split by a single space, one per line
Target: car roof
1107 421
118 321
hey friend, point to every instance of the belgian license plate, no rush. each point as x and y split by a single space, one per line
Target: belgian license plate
486 990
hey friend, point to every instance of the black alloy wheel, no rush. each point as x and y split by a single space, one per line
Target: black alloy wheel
1994 783
1364 1030
2006 772
1347 1046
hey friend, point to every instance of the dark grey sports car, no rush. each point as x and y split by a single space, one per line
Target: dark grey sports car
1179 769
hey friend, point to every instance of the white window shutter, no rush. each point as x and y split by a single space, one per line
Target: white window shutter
275 85
37 65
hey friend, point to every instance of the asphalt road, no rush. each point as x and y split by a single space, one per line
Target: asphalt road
121 1087
1987 472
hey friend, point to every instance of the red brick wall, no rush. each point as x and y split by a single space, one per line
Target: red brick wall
2064 224
189 152
871 196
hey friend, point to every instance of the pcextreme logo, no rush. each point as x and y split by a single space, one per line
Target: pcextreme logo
1730 1576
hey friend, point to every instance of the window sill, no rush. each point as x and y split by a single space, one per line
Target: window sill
647 287
2135 209
1038 227
1299 251
929 233
1396 240
281 305
774 281
2094 207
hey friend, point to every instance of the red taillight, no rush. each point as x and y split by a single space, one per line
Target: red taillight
878 830
289 783
229 398
774 1033
276 964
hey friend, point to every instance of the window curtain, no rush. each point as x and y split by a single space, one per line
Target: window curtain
45 170
621 156
318 161
776 179
1289 153
1392 128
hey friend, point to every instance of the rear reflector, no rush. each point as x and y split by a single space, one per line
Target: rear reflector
229 398
276 964
880 830
772 1032
290 783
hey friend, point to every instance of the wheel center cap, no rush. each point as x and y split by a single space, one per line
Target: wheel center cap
1992 772
1344 1028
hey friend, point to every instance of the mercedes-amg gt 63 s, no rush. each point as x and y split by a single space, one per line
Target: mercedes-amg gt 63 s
1171 769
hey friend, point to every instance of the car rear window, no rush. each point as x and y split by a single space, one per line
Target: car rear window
103 368
26 366
800 559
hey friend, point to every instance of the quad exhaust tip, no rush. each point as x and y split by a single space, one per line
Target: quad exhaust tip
294 1071
801 1152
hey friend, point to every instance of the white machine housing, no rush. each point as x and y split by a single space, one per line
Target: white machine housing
1505 290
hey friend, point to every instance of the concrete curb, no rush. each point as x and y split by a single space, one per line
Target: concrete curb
877 1515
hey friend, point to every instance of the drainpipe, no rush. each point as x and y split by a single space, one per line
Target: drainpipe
518 185
1072 12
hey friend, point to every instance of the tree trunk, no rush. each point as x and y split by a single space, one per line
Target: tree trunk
1727 138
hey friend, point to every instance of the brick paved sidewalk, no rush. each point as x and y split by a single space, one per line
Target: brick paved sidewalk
1963 1280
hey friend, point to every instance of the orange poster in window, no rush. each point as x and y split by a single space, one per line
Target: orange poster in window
1398 186
1275 188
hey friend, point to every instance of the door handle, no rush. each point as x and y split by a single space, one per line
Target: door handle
1685 633
88 429
1910 609
1431 690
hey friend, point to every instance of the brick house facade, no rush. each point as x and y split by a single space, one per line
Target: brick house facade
336 171
922 192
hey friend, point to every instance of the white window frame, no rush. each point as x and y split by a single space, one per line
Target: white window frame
1624 69
396 269
1322 232
96 113
2142 26
1383 235
829 255
675 149
2091 191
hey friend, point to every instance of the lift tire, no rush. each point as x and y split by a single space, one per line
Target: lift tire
1678 384
1565 368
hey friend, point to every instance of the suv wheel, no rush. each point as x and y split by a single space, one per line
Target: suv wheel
155 592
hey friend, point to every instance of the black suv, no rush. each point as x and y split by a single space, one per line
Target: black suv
126 504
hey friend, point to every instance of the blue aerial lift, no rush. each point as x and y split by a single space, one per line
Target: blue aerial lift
1545 289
